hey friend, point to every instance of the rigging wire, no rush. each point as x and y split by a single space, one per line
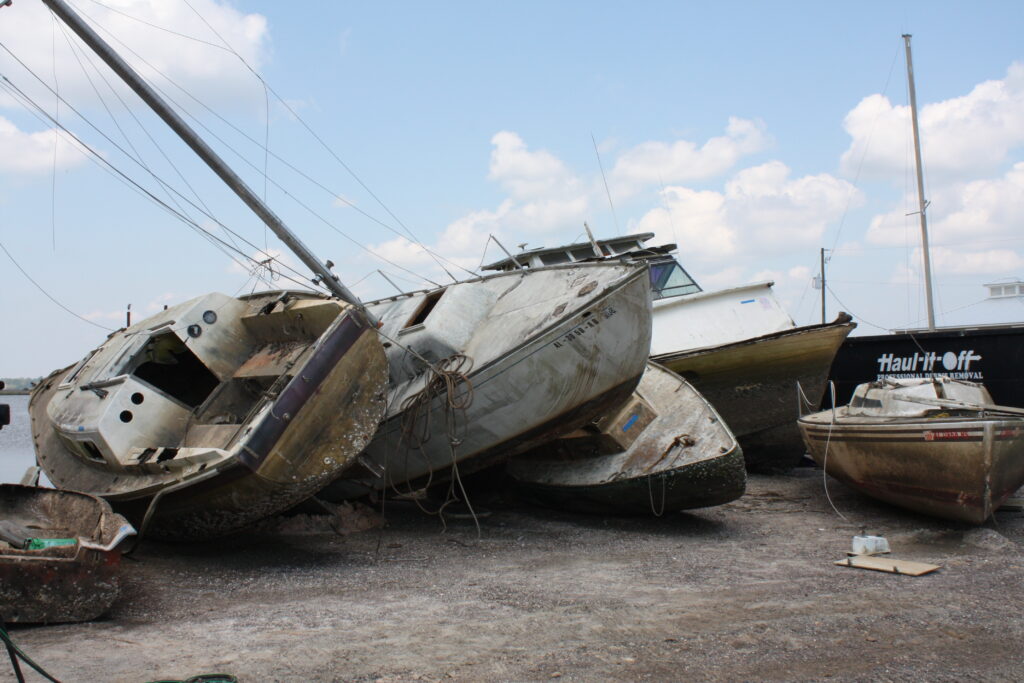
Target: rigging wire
227 47
53 178
31 105
75 50
864 154
244 160
326 147
98 159
607 191
47 294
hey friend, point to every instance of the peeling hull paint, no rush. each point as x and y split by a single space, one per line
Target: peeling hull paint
753 384
524 388
294 441
682 456
953 480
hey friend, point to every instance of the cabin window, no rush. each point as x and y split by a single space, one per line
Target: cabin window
668 279
583 254
168 364
78 368
426 306
554 259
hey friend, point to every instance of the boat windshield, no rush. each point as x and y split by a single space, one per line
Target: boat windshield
669 279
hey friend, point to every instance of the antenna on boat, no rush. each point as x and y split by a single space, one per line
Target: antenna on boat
185 132
607 191
921 201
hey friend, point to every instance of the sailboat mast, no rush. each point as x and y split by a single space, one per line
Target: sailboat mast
922 203
185 132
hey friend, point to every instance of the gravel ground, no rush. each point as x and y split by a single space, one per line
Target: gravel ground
745 591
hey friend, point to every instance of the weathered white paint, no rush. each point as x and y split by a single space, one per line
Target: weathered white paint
543 342
725 316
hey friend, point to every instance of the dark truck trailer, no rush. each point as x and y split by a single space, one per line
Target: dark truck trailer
993 356
5 411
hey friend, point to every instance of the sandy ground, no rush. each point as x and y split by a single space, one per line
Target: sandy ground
745 591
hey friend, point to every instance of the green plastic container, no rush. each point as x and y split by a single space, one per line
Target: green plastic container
43 543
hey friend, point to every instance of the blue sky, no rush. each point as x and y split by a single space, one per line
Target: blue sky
752 134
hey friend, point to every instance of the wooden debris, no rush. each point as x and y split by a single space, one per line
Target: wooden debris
888 564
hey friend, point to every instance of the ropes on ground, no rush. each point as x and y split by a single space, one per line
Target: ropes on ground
16 654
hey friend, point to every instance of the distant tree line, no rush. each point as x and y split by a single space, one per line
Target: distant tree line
19 383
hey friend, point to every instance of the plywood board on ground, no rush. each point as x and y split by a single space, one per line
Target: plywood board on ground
888 564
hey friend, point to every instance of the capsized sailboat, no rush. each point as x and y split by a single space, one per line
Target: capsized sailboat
665 449
737 346
214 413
486 368
936 445
219 411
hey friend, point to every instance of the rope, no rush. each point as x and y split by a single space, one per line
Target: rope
824 460
16 653
650 495
416 427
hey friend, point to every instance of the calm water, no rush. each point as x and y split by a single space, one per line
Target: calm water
16 441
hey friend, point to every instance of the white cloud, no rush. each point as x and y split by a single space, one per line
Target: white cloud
974 132
212 74
696 220
147 27
22 152
948 261
983 208
680 161
528 175
729 276
761 211
962 213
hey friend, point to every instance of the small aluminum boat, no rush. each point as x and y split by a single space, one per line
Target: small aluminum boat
59 556
935 445
665 449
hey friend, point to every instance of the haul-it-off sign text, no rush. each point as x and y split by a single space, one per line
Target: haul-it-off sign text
931 364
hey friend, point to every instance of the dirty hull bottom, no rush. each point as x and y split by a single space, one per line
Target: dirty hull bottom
701 484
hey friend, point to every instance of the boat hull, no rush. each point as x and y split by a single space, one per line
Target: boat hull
64 583
960 469
323 410
552 383
682 457
753 386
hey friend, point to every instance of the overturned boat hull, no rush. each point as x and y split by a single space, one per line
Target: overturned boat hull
665 449
951 463
555 347
216 413
753 386
61 583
